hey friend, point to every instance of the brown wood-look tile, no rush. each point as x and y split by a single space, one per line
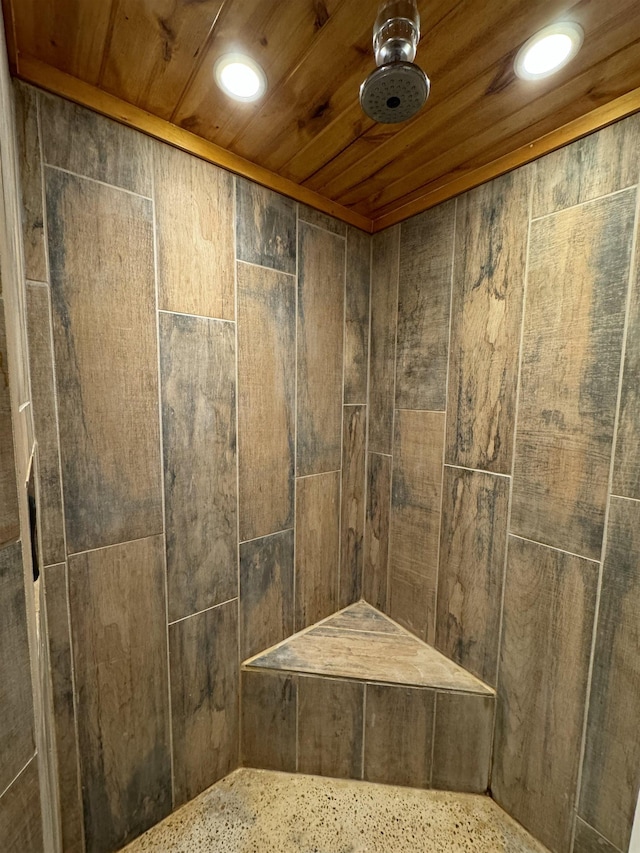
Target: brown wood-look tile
103 304
203 653
611 771
473 539
266 400
462 741
352 503
9 519
376 530
21 813
398 735
362 617
587 840
16 720
384 308
195 234
626 472
576 291
491 241
317 547
269 711
330 727
64 716
266 592
321 289
198 378
119 640
356 330
415 520
265 227
321 220
549 605
30 164
594 166
424 299
87 144
45 424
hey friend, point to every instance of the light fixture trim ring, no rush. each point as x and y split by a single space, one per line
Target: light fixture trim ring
223 62
564 28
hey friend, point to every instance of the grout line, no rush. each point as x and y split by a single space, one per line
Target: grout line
605 537
162 482
320 227
599 834
624 498
476 470
364 727
319 474
195 316
236 308
295 440
393 421
98 181
444 436
553 548
204 610
433 735
297 686
422 411
582 203
116 544
366 436
498 647
271 269
33 283
353 405
266 536
342 462
18 774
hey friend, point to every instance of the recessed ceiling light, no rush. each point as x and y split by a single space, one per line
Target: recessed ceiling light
548 51
240 77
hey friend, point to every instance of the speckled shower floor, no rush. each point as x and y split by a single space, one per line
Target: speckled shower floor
259 811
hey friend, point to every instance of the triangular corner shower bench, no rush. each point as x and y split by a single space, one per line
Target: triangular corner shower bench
357 696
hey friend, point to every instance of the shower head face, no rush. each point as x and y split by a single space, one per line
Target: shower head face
394 92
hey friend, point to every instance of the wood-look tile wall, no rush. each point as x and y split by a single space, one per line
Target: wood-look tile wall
199 352
506 323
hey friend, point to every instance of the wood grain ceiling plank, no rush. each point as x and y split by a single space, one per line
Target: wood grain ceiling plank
264 32
534 120
154 47
456 126
68 34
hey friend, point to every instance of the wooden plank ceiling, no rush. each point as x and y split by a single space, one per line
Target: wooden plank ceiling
150 63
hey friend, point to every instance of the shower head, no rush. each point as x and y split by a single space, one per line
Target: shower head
398 88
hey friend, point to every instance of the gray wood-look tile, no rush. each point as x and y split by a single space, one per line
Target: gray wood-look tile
491 241
398 735
356 329
549 605
30 164
473 539
352 509
576 290
119 639
266 400
203 654
103 304
317 547
9 519
415 520
321 220
198 380
64 718
266 592
376 530
85 143
587 840
611 771
626 472
269 713
265 227
384 308
16 720
195 234
594 166
424 298
462 742
21 813
330 727
321 290
45 424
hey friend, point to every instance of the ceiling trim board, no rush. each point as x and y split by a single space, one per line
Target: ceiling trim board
60 83
615 110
